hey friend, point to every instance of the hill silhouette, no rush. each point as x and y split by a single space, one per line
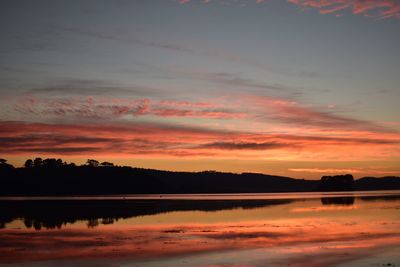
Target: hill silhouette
55 177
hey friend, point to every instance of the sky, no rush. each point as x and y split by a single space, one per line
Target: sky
299 88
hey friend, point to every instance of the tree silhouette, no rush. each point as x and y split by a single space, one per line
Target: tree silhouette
28 163
5 166
53 163
92 163
337 183
59 162
37 162
50 163
107 164
92 223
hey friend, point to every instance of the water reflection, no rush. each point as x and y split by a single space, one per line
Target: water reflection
344 201
325 231
56 214
44 214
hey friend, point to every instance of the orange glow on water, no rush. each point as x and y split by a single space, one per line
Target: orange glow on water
289 231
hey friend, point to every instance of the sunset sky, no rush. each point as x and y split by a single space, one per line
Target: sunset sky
299 88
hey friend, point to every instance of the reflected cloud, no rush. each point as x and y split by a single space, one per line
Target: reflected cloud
141 244
326 208
58 214
256 233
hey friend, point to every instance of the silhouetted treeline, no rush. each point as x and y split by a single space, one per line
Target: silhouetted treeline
56 177
337 183
373 183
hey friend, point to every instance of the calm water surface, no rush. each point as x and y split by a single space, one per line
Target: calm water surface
296 229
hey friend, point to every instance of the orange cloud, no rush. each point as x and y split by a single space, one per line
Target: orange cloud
374 8
164 140
330 170
248 127
367 8
254 108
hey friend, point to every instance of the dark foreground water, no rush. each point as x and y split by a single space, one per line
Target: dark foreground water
302 229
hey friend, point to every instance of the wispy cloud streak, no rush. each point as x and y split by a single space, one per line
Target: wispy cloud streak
165 140
367 8
233 57
105 108
293 113
274 111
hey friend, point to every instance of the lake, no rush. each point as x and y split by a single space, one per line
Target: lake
288 229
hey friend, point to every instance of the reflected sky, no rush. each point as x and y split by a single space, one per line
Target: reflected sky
342 231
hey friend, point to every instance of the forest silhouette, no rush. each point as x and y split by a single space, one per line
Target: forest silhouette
55 177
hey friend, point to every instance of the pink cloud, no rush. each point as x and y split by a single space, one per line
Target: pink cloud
292 113
163 140
285 115
374 8
105 108
275 128
368 8
210 114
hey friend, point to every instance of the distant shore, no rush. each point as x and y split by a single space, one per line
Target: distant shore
53 177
